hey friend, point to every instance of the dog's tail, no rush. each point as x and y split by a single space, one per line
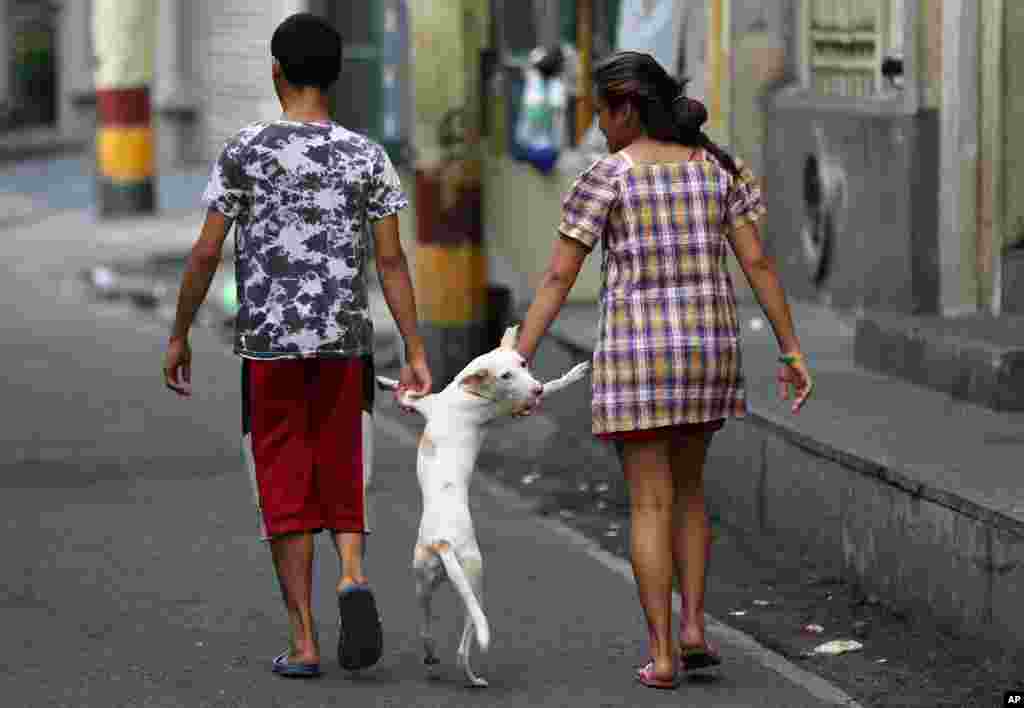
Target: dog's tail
458 577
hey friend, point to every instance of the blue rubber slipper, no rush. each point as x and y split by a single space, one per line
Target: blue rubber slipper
360 641
282 667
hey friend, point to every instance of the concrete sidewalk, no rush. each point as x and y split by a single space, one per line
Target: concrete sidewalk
912 494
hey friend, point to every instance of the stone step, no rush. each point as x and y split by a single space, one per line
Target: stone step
976 358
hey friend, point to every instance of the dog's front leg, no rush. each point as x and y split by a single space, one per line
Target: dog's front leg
475 574
573 375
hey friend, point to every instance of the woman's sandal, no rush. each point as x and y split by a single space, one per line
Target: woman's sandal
645 675
695 658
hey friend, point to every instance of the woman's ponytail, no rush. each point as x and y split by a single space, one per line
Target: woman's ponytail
690 114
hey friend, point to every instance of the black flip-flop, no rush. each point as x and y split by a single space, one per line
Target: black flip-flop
697 658
360 641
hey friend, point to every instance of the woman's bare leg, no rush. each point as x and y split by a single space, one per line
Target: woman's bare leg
691 534
647 469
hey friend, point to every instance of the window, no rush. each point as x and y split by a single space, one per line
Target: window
853 48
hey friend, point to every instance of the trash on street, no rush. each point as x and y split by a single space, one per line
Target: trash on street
838 646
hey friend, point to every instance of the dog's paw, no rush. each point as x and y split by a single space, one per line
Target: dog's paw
386 383
577 372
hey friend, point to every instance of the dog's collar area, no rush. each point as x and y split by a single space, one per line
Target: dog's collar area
471 392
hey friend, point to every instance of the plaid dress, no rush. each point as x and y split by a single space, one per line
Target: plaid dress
668 341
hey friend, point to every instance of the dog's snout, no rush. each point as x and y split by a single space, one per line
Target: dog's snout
537 389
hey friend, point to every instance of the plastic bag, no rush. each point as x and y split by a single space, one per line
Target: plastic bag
541 120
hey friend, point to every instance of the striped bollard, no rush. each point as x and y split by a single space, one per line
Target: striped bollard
123 36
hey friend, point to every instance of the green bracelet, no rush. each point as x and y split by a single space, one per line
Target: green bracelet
790 359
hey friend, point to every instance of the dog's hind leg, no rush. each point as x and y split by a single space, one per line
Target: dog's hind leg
474 573
428 572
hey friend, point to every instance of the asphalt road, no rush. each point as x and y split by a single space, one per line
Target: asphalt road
137 578
133 573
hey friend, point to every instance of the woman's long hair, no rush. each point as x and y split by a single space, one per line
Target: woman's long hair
665 111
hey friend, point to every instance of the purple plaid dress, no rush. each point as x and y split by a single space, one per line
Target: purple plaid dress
668 341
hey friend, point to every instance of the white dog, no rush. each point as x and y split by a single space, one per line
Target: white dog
494 384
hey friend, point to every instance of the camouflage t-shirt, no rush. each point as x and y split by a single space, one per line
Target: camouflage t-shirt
301 196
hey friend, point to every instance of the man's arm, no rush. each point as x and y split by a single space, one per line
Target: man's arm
201 267
396 283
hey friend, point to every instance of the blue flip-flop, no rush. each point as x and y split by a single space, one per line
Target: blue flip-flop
282 667
360 641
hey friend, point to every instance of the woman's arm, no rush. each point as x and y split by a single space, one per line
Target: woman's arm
566 260
759 268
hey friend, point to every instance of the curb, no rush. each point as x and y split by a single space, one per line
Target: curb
14 153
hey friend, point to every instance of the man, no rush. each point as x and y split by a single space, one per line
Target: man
301 191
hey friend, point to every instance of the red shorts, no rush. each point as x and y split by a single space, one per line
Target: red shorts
308 441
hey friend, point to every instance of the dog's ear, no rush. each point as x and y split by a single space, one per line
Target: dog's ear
508 341
476 381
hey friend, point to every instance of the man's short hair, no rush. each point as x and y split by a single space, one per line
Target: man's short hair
308 49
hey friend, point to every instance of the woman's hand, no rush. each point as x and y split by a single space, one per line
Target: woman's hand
794 372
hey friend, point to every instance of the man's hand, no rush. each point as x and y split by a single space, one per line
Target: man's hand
415 379
178 366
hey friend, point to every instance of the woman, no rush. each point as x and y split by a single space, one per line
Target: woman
666 369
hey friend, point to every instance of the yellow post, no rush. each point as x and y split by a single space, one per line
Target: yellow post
585 83
718 81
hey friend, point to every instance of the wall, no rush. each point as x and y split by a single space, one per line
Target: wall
1013 106
521 211
883 169
236 83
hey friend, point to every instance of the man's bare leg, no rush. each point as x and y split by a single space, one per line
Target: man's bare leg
293 561
350 548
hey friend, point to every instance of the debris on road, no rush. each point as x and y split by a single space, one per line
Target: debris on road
738 613
762 603
103 279
838 646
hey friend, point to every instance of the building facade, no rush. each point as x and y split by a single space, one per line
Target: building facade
880 127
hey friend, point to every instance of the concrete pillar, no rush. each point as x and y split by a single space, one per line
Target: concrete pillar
123 36
958 163
5 52
75 86
991 156
450 272
174 101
